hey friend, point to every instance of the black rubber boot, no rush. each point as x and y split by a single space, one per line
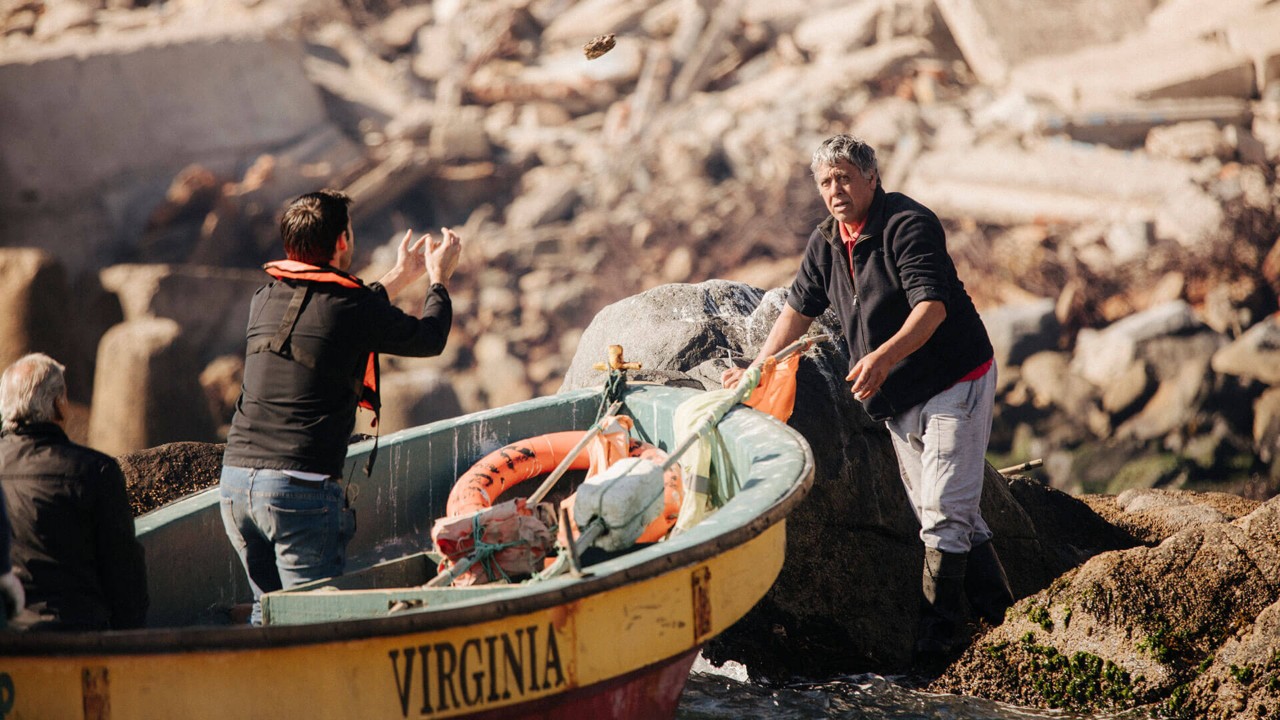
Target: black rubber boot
986 584
943 609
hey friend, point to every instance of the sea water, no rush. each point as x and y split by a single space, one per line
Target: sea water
726 693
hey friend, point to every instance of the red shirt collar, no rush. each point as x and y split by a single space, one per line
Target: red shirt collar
850 233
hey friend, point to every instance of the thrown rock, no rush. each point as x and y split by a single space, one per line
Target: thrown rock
599 46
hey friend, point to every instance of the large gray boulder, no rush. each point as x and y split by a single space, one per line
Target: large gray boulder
846 599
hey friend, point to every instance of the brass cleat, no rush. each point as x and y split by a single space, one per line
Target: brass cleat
616 362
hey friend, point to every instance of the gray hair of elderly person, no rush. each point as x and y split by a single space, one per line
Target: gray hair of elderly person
29 391
846 147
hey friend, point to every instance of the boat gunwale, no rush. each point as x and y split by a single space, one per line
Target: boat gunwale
233 638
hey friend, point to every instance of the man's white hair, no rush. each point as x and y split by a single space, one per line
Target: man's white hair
849 148
29 391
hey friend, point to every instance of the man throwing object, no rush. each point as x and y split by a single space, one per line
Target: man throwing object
311 359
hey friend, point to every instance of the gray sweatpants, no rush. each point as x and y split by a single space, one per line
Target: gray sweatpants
941 446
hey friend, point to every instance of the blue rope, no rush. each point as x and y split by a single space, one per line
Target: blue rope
485 551
614 388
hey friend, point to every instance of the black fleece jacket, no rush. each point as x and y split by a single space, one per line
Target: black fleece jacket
291 417
73 537
900 260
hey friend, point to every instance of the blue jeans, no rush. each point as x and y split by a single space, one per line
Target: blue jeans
286 531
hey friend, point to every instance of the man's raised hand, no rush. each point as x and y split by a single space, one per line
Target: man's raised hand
442 255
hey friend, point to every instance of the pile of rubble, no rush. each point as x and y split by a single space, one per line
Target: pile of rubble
1092 165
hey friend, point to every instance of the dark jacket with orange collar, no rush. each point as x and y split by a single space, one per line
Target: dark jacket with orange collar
900 260
312 342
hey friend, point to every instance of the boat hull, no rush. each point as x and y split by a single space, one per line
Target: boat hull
541 664
615 642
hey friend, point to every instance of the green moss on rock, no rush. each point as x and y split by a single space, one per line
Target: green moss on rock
1081 681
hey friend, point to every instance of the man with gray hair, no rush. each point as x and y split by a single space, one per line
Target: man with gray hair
922 364
74 548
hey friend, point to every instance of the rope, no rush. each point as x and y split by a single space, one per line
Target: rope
614 388
484 551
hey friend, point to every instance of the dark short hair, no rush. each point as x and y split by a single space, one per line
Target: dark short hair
311 226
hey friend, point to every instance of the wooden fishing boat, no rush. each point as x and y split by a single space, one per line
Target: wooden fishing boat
616 640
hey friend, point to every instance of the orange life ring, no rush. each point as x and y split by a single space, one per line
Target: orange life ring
504 468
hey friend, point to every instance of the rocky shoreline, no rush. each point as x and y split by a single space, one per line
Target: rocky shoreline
1186 627
1158 599
1121 226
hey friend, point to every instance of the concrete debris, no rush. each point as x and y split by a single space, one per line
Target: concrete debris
857 22
1125 124
1190 141
1102 354
1126 390
37 298
997 35
1066 183
1255 36
400 28
1190 18
1018 331
210 304
1255 354
147 389
1155 66
1184 384
138 105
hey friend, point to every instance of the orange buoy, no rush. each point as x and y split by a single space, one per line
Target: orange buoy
482 485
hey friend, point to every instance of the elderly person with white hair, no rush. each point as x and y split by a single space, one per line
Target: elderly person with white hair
73 546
